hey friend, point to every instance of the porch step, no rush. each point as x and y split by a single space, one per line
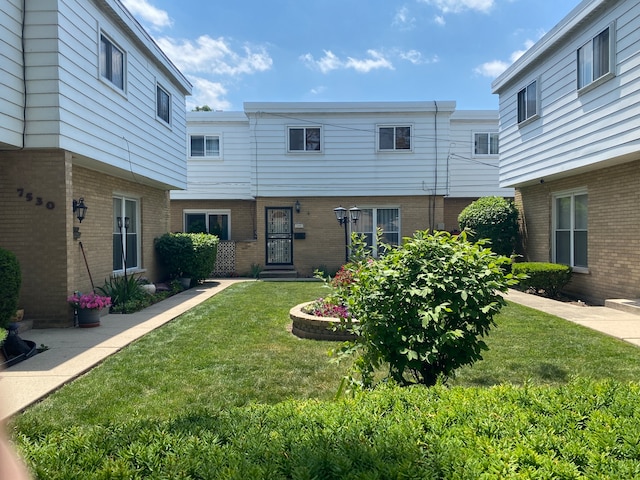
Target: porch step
629 306
278 274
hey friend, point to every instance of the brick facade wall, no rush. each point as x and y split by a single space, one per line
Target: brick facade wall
40 231
613 223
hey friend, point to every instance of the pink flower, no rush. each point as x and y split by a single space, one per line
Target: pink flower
89 301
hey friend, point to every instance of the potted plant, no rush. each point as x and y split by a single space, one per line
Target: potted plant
87 308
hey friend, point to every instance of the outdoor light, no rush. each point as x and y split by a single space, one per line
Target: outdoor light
343 220
297 206
80 209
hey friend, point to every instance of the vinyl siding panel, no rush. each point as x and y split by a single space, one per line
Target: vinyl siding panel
576 131
12 89
105 128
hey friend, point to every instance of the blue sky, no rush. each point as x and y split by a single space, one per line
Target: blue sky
237 51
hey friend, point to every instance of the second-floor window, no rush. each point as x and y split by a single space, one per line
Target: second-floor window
528 102
205 146
394 138
304 139
594 59
163 104
485 143
111 62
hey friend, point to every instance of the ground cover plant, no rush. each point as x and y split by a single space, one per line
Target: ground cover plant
225 391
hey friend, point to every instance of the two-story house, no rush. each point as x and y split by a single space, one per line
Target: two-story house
92 114
267 180
570 145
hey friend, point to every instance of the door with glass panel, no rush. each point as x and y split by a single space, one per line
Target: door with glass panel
279 236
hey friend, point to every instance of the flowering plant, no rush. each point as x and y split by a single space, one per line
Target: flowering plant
90 301
325 308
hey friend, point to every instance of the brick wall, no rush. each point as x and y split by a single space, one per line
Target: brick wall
613 228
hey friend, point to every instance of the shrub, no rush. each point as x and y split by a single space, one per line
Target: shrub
187 254
126 294
547 278
495 219
423 307
10 283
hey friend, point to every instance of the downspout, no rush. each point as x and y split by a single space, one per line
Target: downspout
24 77
435 176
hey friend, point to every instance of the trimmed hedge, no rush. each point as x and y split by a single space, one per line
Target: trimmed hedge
190 255
549 278
10 283
582 430
493 218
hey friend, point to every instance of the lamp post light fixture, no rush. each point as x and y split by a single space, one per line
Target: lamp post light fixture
125 224
345 217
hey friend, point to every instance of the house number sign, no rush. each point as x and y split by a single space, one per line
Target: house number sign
28 196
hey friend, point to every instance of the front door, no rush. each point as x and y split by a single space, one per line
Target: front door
279 236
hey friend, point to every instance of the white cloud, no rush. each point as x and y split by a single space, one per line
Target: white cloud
457 6
215 56
417 58
439 20
403 19
494 68
318 90
330 62
206 92
157 18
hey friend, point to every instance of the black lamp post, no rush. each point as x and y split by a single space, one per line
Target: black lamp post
343 219
126 225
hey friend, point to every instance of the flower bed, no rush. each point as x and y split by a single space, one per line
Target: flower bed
305 325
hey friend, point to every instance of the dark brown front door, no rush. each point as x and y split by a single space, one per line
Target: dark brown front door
279 236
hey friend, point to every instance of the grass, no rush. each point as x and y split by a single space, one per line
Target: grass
236 349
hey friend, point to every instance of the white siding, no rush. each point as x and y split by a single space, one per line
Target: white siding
11 88
71 107
349 163
471 175
575 132
227 177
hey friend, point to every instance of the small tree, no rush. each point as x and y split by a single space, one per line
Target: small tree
187 254
424 306
492 218
10 283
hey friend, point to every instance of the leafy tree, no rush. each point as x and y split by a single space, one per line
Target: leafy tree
492 218
10 283
423 307
204 108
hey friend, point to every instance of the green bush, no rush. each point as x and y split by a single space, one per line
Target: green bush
190 255
495 219
423 307
547 278
582 430
126 294
10 283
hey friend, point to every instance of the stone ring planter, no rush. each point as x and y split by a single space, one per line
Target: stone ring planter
316 328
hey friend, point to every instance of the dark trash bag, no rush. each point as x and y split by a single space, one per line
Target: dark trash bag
14 346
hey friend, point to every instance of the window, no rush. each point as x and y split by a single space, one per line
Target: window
528 102
394 138
386 219
126 241
594 59
111 62
304 139
485 144
205 146
215 222
570 229
163 104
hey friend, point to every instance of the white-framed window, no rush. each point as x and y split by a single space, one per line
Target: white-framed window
126 240
112 62
373 218
163 104
392 137
216 222
305 139
570 229
528 102
485 143
207 146
595 59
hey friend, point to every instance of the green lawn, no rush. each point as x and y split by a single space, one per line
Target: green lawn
236 349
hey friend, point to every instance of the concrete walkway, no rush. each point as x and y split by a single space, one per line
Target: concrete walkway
73 351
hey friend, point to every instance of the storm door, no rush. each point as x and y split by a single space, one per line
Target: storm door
279 236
